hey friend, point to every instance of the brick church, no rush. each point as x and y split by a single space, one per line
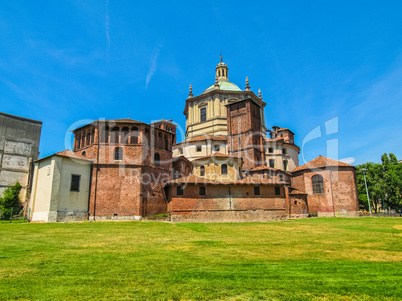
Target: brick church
230 167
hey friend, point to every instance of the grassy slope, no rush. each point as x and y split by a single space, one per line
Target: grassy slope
299 260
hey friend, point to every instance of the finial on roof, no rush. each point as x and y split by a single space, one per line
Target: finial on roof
221 56
259 93
190 94
247 85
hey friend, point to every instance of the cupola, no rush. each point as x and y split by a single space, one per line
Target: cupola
222 71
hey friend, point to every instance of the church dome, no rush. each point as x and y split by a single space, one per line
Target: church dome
224 86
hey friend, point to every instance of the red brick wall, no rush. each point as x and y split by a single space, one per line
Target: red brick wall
217 198
133 186
245 133
339 197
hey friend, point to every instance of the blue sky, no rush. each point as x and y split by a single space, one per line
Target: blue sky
68 62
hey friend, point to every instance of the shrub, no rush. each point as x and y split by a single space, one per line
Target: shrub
10 202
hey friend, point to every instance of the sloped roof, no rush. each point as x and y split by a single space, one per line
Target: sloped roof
70 154
192 179
296 191
206 137
258 181
321 162
67 154
264 167
218 155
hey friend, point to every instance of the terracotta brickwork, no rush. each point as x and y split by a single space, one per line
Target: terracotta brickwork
132 164
339 196
233 201
245 133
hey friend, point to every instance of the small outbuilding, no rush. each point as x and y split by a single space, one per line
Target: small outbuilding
60 190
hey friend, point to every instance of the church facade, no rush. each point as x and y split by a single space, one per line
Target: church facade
230 167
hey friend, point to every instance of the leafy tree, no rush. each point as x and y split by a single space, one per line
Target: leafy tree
375 185
384 183
10 202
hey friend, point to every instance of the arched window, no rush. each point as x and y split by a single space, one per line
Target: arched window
84 154
224 169
318 184
134 135
157 159
114 137
124 135
118 154
202 171
105 135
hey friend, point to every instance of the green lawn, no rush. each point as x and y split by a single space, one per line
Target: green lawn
308 259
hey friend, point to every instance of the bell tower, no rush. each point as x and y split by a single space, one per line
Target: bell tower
222 71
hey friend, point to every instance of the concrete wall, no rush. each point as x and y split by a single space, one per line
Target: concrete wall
51 198
19 146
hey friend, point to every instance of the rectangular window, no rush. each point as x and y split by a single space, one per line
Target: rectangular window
277 191
199 148
179 190
256 190
75 183
272 163
284 151
285 165
202 190
271 150
180 151
203 113
280 177
217 148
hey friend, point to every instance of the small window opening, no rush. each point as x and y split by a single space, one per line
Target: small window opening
277 191
75 183
202 190
224 169
256 190
179 190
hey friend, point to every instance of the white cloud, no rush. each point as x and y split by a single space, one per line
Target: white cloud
153 65
348 160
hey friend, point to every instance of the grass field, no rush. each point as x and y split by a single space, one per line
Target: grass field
308 259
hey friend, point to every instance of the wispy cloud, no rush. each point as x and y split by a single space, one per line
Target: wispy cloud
153 64
107 28
348 160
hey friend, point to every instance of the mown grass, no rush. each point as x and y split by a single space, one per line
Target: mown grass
309 259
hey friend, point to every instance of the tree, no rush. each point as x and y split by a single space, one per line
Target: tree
10 202
375 185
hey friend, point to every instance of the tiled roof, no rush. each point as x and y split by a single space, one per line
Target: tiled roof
296 191
264 167
70 154
207 137
321 162
258 181
247 180
218 155
192 179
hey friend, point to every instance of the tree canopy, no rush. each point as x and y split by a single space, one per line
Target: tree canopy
384 183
